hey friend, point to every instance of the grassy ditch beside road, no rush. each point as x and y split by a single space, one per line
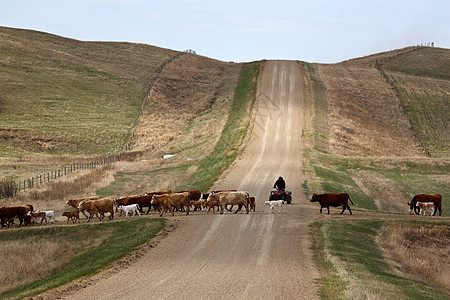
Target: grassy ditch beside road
44 258
353 265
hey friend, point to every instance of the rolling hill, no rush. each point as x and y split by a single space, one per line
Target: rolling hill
375 127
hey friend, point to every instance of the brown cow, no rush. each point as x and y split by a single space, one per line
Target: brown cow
171 201
239 198
435 198
12 212
98 207
141 200
73 215
333 199
194 195
75 202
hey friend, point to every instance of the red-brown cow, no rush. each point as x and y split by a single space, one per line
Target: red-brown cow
142 201
333 199
75 202
435 198
98 207
193 194
171 201
12 212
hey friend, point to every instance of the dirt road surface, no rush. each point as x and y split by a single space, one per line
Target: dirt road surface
259 255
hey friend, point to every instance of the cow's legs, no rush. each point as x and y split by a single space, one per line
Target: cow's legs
343 209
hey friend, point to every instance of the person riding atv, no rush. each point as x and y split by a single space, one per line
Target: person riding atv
280 193
280 184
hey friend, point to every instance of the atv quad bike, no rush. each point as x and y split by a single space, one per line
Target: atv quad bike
281 195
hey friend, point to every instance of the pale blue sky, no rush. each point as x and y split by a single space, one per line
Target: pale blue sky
321 31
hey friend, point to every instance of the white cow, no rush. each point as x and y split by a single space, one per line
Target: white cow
279 203
424 206
133 209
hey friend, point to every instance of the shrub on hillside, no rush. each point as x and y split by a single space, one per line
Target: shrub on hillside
8 187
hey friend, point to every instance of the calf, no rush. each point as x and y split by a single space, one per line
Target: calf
424 206
273 203
38 215
73 215
333 199
252 203
132 209
211 204
198 204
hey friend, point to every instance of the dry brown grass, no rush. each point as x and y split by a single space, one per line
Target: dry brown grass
29 261
365 116
187 90
420 251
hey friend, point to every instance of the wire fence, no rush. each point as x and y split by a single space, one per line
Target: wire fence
49 176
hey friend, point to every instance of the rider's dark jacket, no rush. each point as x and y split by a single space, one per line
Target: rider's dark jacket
280 184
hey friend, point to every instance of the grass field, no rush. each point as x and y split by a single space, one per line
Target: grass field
62 96
43 258
354 266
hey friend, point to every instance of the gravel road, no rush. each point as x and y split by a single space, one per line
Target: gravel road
259 255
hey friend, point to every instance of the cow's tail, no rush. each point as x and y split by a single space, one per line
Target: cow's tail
350 200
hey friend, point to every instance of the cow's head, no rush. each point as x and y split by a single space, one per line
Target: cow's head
313 199
81 204
67 203
411 206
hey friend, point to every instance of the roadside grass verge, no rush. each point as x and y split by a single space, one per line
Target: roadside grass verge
37 259
352 265
233 133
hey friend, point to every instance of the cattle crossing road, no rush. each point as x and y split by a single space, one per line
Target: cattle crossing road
255 256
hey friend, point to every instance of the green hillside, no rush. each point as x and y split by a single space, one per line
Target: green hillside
63 96
422 78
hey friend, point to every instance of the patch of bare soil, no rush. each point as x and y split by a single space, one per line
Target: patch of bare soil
365 115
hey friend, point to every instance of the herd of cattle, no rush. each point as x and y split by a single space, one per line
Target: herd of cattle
185 201
162 202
